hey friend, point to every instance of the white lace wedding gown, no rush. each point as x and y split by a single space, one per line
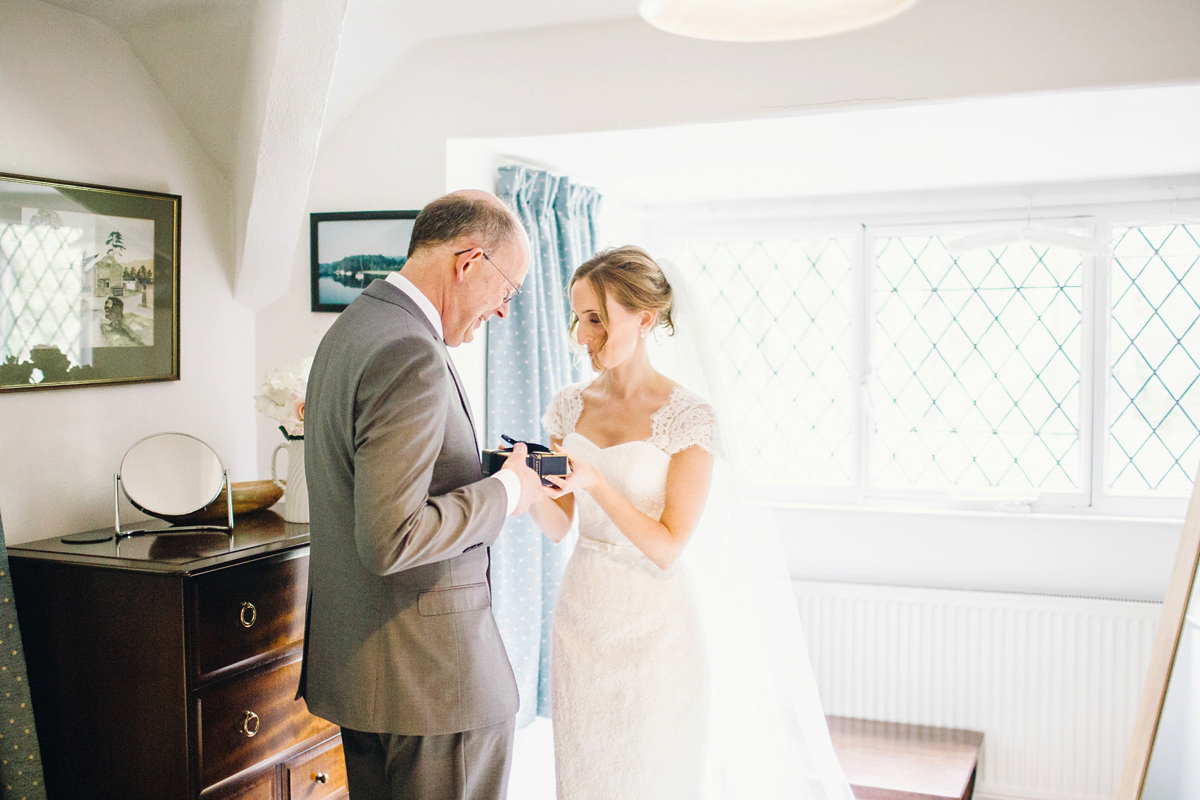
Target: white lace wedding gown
628 674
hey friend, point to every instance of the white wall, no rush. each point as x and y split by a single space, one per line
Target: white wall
264 35
1027 141
79 106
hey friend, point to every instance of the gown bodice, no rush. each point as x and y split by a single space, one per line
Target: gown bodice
638 470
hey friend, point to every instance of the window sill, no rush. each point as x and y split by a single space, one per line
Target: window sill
1021 513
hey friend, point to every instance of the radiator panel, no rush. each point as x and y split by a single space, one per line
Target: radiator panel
1052 682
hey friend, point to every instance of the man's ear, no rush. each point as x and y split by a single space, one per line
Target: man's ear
463 264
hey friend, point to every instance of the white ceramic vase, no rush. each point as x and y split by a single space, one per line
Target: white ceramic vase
295 491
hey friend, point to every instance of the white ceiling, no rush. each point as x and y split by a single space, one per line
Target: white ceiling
117 13
376 32
1040 138
197 51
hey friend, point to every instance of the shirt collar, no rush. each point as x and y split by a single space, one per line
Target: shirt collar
409 288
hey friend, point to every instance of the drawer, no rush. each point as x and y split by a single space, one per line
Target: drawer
260 787
317 774
246 612
253 718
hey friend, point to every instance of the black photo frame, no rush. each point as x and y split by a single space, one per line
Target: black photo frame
349 249
89 284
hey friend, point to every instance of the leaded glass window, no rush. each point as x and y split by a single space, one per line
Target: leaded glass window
895 366
975 367
781 312
1154 391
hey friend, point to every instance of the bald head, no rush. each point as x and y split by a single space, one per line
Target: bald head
468 254
468 212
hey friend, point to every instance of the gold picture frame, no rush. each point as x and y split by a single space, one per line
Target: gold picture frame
89 284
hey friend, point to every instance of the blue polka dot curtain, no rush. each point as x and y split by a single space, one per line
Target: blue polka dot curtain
20 757
528 361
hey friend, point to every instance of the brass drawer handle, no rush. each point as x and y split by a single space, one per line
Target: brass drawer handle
321 777
250 724
248 622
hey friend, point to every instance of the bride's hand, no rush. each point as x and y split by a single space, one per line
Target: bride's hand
583 476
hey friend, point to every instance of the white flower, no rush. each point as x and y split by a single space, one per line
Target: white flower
281 397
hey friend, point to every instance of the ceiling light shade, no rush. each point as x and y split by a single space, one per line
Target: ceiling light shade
766 20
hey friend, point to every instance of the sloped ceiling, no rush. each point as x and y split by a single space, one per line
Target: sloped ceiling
257 82
197 51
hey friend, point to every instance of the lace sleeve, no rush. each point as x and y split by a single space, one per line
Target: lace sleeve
563 412
695 425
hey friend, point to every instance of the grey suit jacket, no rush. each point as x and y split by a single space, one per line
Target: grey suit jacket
399 634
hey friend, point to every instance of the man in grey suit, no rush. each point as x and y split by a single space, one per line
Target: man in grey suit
401 649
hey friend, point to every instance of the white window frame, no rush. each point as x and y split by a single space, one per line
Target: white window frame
1102 207
1026 500
1109 218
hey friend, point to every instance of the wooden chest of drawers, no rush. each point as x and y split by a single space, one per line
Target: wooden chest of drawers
166 667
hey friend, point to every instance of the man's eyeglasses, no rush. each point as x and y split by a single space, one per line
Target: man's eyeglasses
516 290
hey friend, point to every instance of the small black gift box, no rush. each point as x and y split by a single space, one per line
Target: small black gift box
541 459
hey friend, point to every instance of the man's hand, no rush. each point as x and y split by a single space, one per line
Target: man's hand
531 484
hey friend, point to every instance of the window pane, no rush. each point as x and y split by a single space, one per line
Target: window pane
975 367
1154 396
780 310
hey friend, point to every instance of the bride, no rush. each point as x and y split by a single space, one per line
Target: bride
667 680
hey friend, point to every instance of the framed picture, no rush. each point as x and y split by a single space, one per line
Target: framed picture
352 248
89 284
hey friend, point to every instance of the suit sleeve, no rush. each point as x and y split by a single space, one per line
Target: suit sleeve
400 417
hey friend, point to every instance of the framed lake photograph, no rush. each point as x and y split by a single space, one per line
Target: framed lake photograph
89 284
352 248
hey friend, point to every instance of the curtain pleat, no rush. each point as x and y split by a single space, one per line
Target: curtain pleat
529 360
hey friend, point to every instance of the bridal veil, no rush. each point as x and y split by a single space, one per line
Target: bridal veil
767 735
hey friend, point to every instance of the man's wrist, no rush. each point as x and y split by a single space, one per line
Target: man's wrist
512 488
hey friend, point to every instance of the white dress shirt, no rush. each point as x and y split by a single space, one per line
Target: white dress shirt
511 483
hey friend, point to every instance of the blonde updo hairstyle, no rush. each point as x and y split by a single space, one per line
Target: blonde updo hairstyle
633 279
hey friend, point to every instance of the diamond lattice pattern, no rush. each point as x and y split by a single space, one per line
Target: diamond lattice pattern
41 290
780 311
975 367
1154 394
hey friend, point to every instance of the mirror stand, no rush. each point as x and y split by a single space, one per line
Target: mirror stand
123 533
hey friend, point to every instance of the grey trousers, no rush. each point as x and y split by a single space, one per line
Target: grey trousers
472 765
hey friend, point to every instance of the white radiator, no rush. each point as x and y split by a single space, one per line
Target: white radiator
1053 682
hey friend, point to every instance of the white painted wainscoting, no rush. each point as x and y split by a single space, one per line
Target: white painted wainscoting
1053 682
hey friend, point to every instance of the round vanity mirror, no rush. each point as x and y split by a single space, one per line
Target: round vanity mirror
170 475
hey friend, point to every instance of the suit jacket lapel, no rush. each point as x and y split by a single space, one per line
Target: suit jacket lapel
382 290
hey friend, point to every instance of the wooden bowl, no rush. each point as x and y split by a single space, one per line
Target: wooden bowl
248 497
